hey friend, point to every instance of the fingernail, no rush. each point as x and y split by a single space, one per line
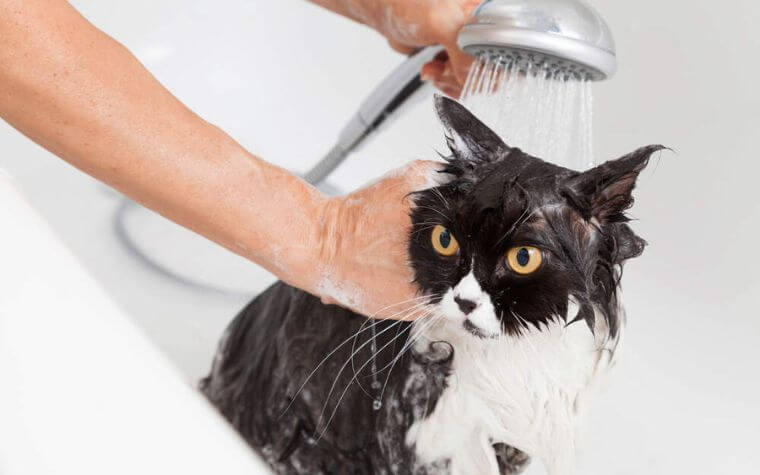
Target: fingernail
425 76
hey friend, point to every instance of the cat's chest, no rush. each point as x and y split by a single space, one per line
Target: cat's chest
522 391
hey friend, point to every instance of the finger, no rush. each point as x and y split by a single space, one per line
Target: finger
448 26
433 70
453 90
401 48
441 75
448 82
448 72
460 62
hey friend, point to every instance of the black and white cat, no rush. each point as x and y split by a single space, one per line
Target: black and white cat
518 263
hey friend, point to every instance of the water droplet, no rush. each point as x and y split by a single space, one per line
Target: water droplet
374 357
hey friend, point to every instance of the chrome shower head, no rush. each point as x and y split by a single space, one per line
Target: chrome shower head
557 36
565 38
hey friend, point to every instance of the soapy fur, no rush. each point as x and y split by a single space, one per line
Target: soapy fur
497 367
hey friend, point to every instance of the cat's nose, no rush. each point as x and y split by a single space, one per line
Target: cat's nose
466 306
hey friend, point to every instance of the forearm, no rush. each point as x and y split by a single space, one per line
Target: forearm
84 97
362 11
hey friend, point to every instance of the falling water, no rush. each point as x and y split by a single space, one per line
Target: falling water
544 112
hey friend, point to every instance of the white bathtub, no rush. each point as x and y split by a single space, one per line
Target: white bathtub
84 391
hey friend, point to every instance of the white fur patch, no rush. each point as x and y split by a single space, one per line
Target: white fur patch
483 316
525 391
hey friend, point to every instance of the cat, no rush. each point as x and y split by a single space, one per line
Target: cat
518 263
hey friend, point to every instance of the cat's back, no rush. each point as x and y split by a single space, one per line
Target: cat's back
287 365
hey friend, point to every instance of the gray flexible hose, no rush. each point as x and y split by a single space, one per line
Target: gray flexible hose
327 165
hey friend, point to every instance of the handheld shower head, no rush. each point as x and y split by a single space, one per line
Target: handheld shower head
558 36
564 38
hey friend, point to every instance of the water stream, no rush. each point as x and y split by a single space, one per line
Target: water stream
546 114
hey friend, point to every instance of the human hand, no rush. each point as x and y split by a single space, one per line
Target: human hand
411 24
363 261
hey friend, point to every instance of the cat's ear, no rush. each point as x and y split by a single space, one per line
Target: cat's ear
604 193
627 244
468 138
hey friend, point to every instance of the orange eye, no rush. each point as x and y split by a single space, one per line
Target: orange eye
443 241
524 260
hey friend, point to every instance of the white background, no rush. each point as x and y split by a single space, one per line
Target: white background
282 77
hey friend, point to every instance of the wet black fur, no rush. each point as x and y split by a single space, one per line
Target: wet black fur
501 197
274 344
272 347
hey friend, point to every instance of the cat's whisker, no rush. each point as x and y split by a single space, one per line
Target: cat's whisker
393 350
308 378
514 226
433 210
403 348
343 394
412 335
337 377
417 231
415 336
414 299
421 333
425 225
413 339
437 193
374 324
427 222
519 319
424 328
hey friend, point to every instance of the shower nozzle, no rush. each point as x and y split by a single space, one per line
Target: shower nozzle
558 36
564 38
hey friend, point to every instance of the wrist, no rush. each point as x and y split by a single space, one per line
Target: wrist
305 252
336 261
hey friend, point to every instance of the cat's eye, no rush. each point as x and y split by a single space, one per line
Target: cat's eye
443 241
524 260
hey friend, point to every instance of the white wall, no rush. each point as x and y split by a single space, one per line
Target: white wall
282 77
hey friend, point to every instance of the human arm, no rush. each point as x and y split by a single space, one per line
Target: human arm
86 98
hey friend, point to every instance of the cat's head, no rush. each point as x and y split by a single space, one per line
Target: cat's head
512 241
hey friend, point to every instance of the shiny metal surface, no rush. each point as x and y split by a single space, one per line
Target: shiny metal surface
556 35
561 37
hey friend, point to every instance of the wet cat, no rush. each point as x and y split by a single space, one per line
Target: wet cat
517 262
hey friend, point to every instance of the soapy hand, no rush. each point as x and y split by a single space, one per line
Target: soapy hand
363 251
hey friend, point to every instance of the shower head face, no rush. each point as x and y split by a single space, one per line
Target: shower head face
557 36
